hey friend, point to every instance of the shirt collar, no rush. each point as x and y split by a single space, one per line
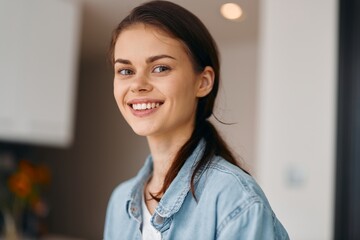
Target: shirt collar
174 196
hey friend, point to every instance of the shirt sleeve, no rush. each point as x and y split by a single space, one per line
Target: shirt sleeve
255 222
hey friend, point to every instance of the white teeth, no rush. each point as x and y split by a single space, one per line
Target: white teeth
144 106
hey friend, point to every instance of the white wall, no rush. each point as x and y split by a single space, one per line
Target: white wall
296 113
236 101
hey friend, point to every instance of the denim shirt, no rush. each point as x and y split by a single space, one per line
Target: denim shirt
230 205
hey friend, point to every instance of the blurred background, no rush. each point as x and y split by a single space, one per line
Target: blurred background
281 71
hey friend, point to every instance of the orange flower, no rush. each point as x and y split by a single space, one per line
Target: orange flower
27 168
20 184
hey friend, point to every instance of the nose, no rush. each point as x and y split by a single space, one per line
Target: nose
140 84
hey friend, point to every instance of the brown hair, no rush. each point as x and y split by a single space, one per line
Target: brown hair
187 28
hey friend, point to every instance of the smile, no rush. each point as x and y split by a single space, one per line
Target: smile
145 106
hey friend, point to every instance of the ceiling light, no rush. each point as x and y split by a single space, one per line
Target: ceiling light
231 11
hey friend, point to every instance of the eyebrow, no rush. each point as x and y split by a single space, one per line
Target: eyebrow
148 60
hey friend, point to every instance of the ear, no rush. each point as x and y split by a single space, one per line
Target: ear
206 82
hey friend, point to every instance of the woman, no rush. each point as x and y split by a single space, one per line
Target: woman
166 80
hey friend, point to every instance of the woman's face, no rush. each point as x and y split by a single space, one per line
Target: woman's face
155 85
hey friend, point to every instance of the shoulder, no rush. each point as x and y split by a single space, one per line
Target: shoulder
231 181
119 198
239 201
116 209
121 192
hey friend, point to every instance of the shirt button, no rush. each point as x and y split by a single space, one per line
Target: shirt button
159 219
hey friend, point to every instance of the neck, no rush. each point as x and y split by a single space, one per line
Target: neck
164 151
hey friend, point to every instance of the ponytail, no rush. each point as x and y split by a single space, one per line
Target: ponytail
214 146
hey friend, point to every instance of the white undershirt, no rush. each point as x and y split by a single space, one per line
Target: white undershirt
148 230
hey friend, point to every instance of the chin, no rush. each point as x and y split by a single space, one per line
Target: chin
141 131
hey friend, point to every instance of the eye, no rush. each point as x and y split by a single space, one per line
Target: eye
125 72
161 68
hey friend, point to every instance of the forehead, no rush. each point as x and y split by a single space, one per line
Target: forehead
146 40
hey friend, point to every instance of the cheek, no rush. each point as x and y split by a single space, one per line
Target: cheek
184 90
119 94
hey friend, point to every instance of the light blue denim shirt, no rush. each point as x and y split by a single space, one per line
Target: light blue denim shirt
230 205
